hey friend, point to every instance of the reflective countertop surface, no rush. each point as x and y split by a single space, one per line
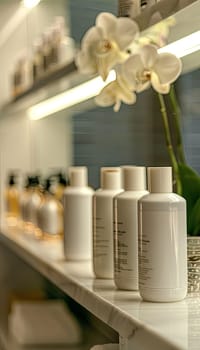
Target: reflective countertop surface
177 325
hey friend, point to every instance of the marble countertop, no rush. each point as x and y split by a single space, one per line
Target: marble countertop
173 325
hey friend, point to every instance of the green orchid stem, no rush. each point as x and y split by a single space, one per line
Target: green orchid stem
176 114
169 142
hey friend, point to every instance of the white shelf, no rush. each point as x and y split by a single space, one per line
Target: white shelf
170 325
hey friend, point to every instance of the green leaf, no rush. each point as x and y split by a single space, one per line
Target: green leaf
190 182
195 218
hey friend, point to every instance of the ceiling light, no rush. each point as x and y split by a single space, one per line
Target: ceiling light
184 46
30 3
69 98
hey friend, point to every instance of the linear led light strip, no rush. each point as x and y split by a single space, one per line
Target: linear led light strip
30 3
69 98
184 46
83 92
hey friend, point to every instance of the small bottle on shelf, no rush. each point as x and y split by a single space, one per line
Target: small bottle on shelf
126 227
25 72
54 46
60 187
66 44
34 201
23 200
103 251
77 201
17 80
162 240
37 62
50 214
12 201
46 50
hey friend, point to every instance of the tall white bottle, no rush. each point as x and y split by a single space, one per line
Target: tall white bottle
126 227
103 253
77 201
162 240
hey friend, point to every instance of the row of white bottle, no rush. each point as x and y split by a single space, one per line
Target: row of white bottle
103 243
77 201
128 226
162 240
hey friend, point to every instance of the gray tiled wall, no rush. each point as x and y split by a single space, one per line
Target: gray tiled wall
189 93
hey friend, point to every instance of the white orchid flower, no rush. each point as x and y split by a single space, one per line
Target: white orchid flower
104 45
157 35
151 68
116 92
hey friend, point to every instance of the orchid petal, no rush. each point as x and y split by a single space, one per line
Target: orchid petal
167 67
133 65
105 98
85 64
163 27
161 88
130 69
108 23
104 64
126 83
91 38
126 95
113 94
122 80
86 60
158 34
143 86
125 32
117 106
148 55
107 62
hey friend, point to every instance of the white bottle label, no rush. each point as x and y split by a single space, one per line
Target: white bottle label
78 226
162 249
126 241
103 237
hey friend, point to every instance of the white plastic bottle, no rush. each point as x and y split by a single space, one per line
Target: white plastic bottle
126 227
77 200
35 198
162 240
103 253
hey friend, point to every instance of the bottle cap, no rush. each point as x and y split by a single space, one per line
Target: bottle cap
28 182
159 179
134 178
78 176
111 179
62 179
11 179
106 169
48 185
35 181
